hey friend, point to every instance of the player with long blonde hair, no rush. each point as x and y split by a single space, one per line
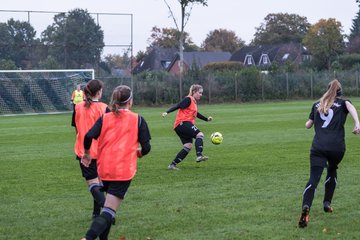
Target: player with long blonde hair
185 128
328 116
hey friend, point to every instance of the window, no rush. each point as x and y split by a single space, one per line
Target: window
248 60
285 57
165 64
264 59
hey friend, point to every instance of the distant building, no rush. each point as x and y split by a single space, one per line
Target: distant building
158 59
197 59
167 59
264 55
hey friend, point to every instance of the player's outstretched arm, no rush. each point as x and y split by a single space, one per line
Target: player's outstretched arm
355 117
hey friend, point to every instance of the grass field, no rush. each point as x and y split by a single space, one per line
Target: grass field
250 188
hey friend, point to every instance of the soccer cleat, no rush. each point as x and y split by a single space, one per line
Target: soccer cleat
304 217
327 207
201 158
173 167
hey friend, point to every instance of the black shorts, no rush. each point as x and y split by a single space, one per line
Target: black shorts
330 159
88 172
116 188
186 131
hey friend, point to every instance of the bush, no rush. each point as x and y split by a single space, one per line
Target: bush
223 66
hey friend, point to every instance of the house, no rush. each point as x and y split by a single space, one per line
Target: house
265 55
167 59
197 59
158 59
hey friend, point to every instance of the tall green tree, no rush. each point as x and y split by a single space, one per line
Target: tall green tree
281 28
17 42
169 38
185 10
74 39
222 40
325 41
354 37
6 40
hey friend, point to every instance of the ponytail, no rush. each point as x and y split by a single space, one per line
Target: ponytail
91 89
327 100
120 97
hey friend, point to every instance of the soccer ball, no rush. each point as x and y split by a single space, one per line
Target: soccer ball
216 138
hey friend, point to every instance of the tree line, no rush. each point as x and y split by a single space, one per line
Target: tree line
74 40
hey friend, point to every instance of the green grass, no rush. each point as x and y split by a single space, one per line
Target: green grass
250 188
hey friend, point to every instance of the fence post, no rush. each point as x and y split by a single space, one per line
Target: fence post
236 97
262 86
357 83
209 85
287 85
156 89
311 85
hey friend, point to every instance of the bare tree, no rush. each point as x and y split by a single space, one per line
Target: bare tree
186 7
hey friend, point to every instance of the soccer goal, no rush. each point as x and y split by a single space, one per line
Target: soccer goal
40 91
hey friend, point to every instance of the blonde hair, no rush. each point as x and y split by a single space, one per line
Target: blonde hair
194 88
120 97
327 100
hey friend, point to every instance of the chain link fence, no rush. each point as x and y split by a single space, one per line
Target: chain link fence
242 86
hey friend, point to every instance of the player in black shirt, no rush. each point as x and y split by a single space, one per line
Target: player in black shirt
328 115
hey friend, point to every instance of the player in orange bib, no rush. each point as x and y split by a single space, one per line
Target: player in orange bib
85 114
185 128
119 133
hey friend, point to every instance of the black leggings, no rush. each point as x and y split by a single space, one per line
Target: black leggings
315 175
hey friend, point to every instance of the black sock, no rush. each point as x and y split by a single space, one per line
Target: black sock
181 155
101 225
99 197
199 146
96 209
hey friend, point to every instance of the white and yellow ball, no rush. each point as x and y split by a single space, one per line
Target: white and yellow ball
216 138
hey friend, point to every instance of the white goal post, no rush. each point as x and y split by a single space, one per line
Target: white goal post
40 91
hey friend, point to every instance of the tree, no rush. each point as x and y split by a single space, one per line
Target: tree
17 41
325 41
6 40
7 64
169 38
354 38
118 61
281 28
222 40
74 39
186 7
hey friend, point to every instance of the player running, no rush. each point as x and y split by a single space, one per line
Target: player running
85 114
185 128
118 132
328 115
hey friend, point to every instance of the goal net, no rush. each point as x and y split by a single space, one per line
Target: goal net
39 91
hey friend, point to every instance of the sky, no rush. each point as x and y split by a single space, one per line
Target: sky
126 21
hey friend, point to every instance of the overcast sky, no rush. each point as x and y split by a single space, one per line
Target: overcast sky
239 16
